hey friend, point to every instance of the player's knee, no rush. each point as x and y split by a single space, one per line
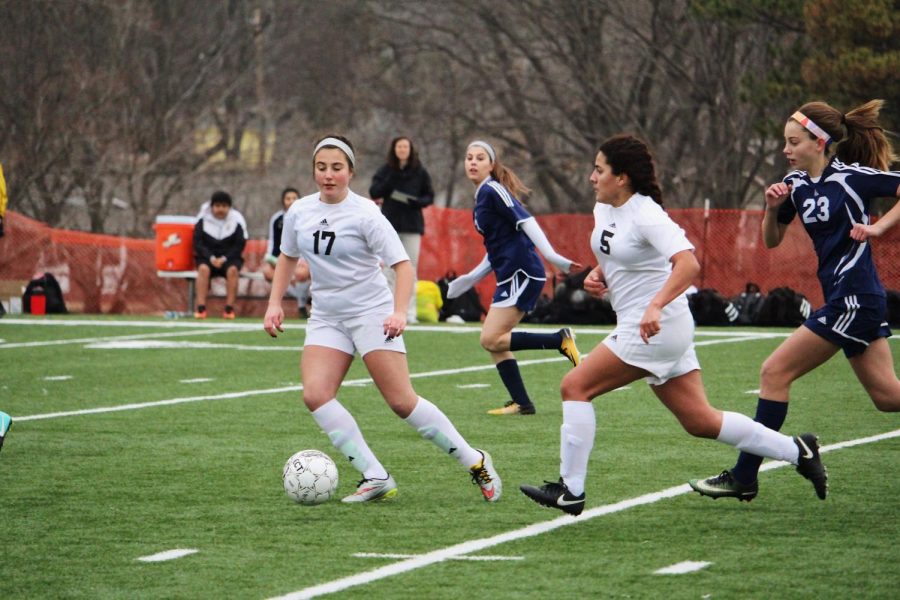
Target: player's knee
489 342
571 389
772 374
203 269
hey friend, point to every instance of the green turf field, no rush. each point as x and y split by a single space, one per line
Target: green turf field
117 452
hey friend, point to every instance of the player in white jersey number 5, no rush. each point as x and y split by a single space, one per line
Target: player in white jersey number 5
646 263
344 238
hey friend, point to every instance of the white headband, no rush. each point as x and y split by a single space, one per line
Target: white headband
487 148
330 141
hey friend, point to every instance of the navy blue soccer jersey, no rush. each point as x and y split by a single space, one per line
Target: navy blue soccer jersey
498 215
829 206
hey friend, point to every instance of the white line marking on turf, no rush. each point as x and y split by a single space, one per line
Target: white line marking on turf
442 554
168 555
277 390
392 555
57 377
754 392
94 340
156 344
473 385
197 380
688 566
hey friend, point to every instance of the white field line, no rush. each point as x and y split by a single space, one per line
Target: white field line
260 392
464 548
688 566
114 338
184 345
293 388
394 555
167 555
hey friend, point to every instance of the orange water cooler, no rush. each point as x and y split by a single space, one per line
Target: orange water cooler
174 243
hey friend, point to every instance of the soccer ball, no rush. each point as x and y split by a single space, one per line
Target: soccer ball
310 477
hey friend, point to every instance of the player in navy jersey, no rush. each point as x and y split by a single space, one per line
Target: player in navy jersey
510 236
840 163
299 287
344 238
645 263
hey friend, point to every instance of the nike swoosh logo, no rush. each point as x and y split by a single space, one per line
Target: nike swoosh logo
807 453
562 502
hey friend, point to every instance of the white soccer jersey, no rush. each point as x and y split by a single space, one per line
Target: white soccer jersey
633 244
343 244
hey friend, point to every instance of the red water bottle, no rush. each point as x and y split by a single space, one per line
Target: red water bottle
38 303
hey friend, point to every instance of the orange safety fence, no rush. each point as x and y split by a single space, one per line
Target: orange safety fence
110 274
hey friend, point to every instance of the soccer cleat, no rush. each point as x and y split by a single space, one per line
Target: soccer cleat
200 313
724 485
5 424
809 463
568 348
511 408
555 494
228 314
370 490
486 477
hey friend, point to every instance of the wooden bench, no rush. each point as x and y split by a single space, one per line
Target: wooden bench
191 278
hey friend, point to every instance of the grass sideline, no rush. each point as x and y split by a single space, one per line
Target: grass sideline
84 496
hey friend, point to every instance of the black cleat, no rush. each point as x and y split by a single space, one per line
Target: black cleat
724 485
555 495
809 463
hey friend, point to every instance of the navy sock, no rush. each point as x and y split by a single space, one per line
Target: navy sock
520 340
512 379
771 414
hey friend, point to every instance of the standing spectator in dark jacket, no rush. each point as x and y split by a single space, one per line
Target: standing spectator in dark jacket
219 239
403 188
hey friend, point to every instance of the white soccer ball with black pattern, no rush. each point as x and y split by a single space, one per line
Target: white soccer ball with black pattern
310 477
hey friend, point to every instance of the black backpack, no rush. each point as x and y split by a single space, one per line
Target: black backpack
467 307
783 307
893 308
709 307
47 285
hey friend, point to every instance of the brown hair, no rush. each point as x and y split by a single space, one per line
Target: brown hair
509 180
394 162
630 155
864 143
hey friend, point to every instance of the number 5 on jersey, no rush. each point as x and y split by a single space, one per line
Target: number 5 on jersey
604 241
327 238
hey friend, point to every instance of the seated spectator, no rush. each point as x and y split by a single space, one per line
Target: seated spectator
219 239
299 287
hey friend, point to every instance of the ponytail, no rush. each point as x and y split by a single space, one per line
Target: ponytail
510 181
864 141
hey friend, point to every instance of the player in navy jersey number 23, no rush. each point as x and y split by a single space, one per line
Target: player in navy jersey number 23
840 164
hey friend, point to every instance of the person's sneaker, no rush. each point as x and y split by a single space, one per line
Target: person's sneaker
809 464
568 348
724 485
5 424
200 313
228 314
369 490
486 477
511 408
555 494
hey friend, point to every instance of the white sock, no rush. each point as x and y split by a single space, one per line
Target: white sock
433 425
345 435
575 444
747 435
